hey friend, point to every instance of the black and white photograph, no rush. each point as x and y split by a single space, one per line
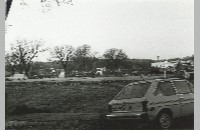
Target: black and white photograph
99 64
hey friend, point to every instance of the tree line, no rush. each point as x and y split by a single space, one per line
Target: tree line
23 52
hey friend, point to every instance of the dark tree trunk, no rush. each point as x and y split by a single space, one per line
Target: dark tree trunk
8 6
12 69
21 69
27 73
65 68
65 72
27 69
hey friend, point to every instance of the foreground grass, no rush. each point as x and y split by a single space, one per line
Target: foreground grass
78 104
54 105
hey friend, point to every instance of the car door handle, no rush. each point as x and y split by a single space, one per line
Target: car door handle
181 97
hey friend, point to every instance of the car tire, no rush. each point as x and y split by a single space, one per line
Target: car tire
164 120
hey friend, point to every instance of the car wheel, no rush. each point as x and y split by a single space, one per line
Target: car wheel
164 120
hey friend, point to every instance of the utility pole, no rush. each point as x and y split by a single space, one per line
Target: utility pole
158 58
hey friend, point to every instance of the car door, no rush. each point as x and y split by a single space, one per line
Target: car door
130 99
186 94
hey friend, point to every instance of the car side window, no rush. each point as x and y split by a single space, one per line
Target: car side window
134 91
126 94
165 89
182 87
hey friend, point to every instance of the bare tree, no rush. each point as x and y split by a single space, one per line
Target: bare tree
84 58
10 63
22 54
64 54
44 3
115 58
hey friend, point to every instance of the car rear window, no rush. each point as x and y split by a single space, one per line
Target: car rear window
182 87
165 88
133 91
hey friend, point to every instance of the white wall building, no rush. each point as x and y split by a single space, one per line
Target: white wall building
163 65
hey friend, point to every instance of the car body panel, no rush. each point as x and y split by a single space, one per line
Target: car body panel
157 103
187 104
127 105
126 115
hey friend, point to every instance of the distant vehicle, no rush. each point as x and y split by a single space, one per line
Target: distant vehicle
116 73
40 76
191 77
33 77
186 74
127 72
158 100
100 71
89 74
17 77
50 76
135 73
78 74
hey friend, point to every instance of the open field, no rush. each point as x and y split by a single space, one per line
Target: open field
64 104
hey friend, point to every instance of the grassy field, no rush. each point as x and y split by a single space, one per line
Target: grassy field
61 104
58 100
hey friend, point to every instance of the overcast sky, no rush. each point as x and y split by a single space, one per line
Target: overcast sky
142 28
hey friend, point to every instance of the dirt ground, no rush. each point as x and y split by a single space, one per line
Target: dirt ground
64 104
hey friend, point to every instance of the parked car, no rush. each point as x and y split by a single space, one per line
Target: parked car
8 74
158 100
41 76
33 77
17 77
191 76
187 74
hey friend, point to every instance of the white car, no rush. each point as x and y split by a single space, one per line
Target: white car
17 77
158 100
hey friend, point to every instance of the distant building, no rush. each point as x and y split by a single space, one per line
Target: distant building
164 65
